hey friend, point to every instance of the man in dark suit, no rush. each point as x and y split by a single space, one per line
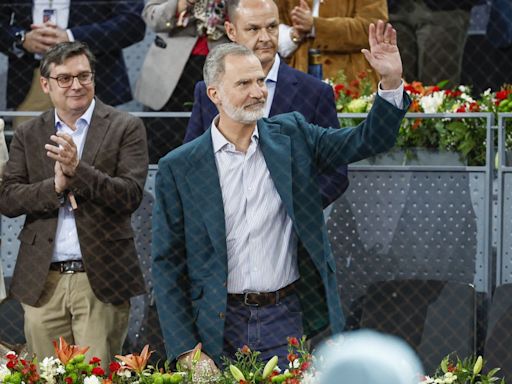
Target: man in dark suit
240 248
77 172
28 28
289 89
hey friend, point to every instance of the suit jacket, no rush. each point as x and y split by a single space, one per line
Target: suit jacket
295 91
108 187
341 31
499 28
164 62
106 26
4 154
189 240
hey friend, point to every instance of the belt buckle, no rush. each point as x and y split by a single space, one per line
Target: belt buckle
246 302
64 270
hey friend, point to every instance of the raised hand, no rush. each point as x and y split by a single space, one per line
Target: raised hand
302 18
384 55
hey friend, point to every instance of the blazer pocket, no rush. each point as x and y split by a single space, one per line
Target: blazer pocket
27 236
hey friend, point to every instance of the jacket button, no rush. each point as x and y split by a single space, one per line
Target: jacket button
221 315
50 239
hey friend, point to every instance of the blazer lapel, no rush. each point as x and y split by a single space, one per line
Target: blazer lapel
96 132
276 149
204 185
286 88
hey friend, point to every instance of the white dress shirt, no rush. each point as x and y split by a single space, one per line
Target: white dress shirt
271 83
67 245
61 16
261 242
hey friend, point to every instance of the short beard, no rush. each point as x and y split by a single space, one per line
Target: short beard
240 115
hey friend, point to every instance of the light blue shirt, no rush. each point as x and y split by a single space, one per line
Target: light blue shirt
67 245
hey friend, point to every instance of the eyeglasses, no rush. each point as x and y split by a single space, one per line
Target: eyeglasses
66 81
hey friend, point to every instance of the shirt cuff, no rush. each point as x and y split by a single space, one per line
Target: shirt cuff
393 96
286 45
70 35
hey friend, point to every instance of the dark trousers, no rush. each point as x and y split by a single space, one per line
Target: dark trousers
263 329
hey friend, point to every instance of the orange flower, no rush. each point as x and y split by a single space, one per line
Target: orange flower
66 352
135 361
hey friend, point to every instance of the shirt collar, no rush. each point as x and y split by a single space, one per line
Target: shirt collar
82 121
220 142
272 74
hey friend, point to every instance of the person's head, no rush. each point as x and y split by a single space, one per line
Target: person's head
67 76
255 24
235 83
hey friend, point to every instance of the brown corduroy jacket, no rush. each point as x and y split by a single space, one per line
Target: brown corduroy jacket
108 186
341 31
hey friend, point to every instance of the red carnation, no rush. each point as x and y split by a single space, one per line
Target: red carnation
11 364
68 380
293 341
11 356
291 357
461 109
305 365
502 95
114 366
98 371
95 360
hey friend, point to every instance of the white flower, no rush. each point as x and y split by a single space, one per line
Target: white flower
50 367
487 92
91 380
427 380
432 102
4 371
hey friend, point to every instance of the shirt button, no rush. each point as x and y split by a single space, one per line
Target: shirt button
50 239
221 315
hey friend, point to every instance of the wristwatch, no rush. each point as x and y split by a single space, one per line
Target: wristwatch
19 39
296 37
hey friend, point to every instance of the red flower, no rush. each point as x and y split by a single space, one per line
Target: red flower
461 109
114 366
98 371
11 356
95 360
291 357
68 380
362 74
435 88
474 107
305 365
502 95
355 83
411 89
11 364
293 341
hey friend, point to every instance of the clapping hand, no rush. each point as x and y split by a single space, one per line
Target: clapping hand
384 55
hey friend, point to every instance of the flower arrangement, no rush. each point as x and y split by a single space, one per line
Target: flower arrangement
463 135
466 371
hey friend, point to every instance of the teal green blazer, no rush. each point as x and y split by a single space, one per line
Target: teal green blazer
189 257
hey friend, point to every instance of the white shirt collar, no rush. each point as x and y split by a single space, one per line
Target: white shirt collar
219 141
272 74
82 121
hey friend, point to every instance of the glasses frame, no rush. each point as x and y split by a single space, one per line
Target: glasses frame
73 77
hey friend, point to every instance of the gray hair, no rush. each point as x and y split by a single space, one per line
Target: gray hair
214 67
59 53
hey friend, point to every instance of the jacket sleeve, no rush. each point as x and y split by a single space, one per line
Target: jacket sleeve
376 134
349 34
169 266
160 15
18 195
123 191
115 33
195 125
332 183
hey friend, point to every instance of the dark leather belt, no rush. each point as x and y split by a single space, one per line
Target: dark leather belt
260 299
71 266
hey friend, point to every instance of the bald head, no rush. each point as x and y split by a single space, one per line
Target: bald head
255 24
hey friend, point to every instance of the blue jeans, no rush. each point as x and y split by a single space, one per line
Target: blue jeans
264 329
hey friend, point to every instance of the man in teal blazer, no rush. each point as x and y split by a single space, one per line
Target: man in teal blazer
196 267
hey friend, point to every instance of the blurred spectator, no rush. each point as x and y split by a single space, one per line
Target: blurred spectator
29 28
339 29
431 37
499 29
76 270
367 357
186 31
